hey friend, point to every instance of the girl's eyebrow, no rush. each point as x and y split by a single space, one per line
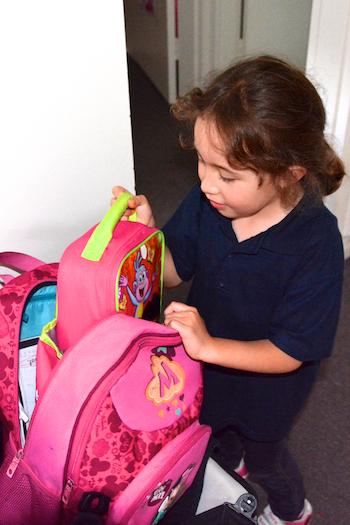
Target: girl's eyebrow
201 157
227 168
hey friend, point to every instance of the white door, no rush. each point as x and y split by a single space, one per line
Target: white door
329 64
214 33
178 43
208 39
277 27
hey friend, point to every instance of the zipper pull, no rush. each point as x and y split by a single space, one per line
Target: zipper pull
14 463
67 491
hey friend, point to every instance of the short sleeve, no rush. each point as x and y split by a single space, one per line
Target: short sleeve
182 234
305 323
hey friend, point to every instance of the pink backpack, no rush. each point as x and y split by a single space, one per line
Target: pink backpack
115 430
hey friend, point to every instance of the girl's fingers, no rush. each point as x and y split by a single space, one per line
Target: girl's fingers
171 318
187 320
139 200
174 306
116 191
133 202
138 203
173 323
179 327
179 315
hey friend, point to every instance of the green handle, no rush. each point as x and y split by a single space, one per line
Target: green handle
103 232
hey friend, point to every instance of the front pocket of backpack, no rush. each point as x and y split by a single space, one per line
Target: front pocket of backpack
163 480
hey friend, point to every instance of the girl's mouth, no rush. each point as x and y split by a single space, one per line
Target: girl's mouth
216 205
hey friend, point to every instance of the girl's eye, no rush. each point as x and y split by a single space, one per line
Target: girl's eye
226 179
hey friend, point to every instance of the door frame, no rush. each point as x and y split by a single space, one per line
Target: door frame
328 63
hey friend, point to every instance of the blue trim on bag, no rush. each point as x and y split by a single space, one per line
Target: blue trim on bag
39 310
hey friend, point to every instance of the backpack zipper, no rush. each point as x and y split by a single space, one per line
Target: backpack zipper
16 431
14 463
128 357
42 284
67 491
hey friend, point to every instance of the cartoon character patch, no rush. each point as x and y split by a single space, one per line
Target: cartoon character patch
174 495
139 282
159 493
168 380
141 287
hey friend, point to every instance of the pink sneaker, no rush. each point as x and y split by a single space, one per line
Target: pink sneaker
269 518
242 470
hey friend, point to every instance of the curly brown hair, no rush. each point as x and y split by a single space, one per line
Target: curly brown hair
271 117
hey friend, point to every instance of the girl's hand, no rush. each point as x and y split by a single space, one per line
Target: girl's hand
187 321
139 203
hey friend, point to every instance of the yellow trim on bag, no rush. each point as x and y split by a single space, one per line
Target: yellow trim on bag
45 338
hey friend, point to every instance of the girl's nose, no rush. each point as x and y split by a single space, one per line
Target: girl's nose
208 180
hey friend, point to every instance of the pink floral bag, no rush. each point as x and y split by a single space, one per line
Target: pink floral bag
115 430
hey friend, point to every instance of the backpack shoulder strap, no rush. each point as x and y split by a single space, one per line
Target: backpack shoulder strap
19 262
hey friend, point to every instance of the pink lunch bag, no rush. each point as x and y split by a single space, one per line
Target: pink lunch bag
116 266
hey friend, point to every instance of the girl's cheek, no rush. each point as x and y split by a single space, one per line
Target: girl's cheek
200 171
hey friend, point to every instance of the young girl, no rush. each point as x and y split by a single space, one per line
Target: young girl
266 260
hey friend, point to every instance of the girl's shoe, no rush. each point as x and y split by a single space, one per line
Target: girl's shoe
242 470
269 518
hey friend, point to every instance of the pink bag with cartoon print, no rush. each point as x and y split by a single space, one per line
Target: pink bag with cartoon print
115 266
115 430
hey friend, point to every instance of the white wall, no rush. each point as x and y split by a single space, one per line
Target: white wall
328 64
65 132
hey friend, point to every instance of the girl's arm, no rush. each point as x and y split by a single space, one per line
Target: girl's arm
140 204
254 356
171 278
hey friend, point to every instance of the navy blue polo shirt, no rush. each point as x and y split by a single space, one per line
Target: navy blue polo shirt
283 284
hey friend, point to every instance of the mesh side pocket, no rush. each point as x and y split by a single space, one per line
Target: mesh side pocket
23 501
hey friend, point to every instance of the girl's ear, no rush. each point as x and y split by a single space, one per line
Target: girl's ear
297 173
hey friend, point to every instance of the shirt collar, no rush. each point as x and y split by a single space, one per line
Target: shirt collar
286 237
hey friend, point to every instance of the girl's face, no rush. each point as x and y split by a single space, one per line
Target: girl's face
234 193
